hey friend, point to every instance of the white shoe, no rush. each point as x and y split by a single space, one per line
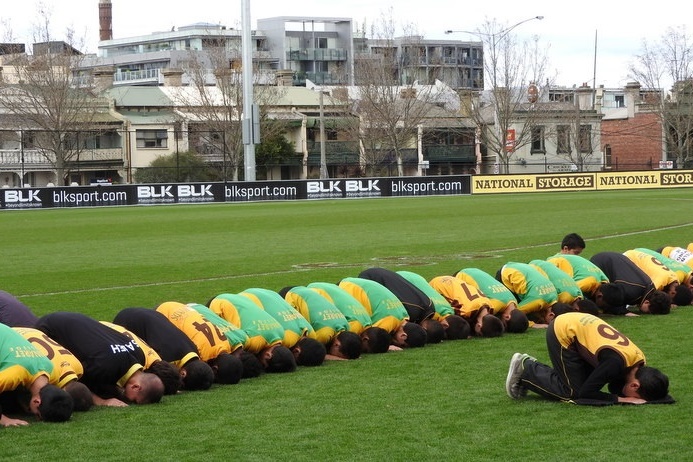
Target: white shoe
513 385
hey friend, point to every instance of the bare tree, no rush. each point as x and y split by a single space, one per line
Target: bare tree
668 63
219 107
53 109
510 68
390 102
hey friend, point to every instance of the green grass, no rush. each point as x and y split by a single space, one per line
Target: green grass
442 402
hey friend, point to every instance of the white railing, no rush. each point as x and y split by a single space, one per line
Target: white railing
14 157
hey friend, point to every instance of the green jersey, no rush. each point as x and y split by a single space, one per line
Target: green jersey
295 326
261 328
21 363
440 303
499 295
320 312
354 312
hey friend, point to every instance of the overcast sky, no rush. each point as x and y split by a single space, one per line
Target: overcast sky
569 28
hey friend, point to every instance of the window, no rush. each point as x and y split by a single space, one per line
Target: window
538 141
563 139
620 101
585 138
607 156
152 139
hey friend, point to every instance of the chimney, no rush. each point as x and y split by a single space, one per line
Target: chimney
105 20
103 78
284 77
172 77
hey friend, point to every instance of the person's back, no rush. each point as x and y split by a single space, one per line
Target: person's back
661 276
567 289
294 324
262 329
325 318
679 254
155 329
385 309
356 315
418 305
586 274
14 313
66 366
535 292
209 341
620 270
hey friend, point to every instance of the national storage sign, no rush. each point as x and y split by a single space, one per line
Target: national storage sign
589 181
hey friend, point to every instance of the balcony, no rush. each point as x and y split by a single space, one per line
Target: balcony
14 159
450 153
317 54
336 152
137 76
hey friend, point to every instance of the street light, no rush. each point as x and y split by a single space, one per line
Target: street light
491 63
500 33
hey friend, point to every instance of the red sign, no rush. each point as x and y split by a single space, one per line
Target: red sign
510 140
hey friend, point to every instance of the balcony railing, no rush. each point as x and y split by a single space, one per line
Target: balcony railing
31 158
317 54
450 153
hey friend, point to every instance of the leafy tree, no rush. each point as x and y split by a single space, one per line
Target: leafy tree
175 168
274 149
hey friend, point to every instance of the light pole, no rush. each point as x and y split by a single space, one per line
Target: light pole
501 96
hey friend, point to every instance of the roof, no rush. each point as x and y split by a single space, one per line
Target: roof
138 96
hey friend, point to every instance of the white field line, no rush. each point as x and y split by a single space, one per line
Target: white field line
309 266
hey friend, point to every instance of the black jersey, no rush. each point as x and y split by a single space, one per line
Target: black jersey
621 270
154 328
108 356
419 305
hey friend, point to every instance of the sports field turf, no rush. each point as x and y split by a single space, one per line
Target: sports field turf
441 402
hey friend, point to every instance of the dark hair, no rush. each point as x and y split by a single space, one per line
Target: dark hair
282 360
228 369
198 375
491 326
284 290
561 308
169 375
654 384
660 302
435 332
349 344
573 241
152 388
56 404
587 306
252 367
81 396
683 296
375 340
458 328
416 335
612 294
312 353
518 322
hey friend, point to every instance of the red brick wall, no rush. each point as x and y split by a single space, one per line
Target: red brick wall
636 143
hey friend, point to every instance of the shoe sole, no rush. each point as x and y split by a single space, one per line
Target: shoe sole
512 371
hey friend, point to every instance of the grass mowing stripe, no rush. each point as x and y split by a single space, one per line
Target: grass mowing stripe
444 402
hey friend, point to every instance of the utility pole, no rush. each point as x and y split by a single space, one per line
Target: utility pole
251 116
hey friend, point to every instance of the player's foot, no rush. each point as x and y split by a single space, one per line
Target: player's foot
513 385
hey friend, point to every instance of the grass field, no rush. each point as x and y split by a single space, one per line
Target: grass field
441 402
